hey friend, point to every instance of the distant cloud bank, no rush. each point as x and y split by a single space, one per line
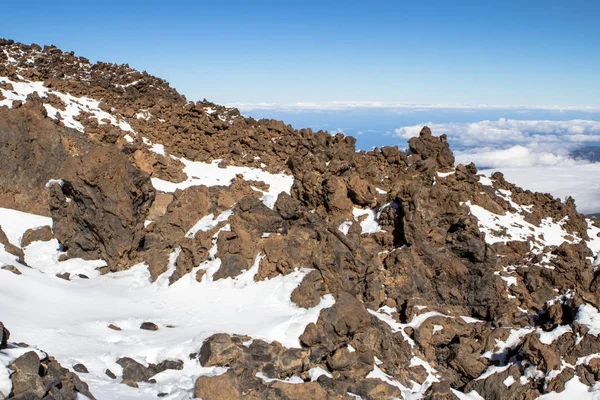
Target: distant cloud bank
400 107
512 142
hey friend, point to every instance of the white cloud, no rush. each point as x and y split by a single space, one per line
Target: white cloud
504 129
511 142
515 156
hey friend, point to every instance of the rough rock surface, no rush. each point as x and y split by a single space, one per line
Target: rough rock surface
35 377
100 206
32 235
443 279
134 372
32 151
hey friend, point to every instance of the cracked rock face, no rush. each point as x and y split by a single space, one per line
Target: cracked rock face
100 206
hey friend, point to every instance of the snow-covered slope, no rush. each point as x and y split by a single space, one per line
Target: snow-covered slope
70 319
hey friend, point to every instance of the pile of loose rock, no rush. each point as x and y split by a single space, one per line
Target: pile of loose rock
34 377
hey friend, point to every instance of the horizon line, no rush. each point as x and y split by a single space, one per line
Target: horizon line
341 105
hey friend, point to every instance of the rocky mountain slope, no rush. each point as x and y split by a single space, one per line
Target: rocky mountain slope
161 247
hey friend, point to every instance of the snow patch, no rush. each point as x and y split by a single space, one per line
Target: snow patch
208 222
485 181
74 106
315 372
588 315
79 311
292 379
512 226
210 174
472 395
15 223
445 174
574 389
345 227
509 381
551 336
369 224
385 315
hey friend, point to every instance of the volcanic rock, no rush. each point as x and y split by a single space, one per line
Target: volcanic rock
4 336
45 378
100 207
149 326
11 268
31 235
428 279
80 368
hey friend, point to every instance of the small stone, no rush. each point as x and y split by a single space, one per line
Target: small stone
133 371
43 234
80 368
114 327
219 350
65 275
15 251
12 269
149 326
82 276
170 364
200 274
110 374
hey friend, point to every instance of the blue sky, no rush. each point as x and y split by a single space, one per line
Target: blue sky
528 70
467 52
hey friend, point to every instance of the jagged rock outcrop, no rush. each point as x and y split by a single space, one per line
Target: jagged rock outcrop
100 205
32 150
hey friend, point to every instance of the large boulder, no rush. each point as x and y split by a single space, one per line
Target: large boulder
31 152
100 207
427 146
134 372
219 350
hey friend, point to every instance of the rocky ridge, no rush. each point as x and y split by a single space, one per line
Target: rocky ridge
445 282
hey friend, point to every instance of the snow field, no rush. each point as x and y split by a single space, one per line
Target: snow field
69 319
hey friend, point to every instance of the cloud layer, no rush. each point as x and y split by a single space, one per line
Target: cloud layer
513 143
534 154
400 107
